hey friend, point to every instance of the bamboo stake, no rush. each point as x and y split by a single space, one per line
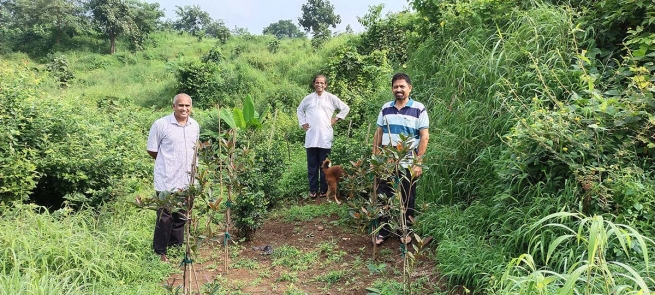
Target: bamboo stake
350 125
189 204
374 200
229 198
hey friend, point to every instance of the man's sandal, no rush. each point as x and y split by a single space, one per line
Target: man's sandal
312 195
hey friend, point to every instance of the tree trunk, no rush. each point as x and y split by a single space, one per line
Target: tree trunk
59 31
112 46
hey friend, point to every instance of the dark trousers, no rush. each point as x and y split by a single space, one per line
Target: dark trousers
408 193
315 157
169 230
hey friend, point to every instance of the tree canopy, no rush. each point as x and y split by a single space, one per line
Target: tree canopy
197 22
284 28
132 18
318 16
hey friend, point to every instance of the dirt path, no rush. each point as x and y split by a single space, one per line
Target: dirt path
319 256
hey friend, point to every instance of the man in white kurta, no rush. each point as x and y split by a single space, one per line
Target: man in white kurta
171 142
316 117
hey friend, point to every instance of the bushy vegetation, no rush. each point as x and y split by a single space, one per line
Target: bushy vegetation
537 108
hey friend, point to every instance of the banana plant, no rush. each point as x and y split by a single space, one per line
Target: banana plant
245 118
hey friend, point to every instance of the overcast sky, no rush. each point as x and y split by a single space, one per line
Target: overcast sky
254 15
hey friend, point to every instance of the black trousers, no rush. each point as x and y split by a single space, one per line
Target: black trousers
169 230
315 157
408 193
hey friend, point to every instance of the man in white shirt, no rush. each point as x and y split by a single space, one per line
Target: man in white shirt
315 116
171 142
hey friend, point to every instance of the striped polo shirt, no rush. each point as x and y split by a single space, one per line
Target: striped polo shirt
408 121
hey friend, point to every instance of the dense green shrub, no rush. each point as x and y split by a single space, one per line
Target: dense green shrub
249 212
201 81
356 78
60 69
346 149
18 173
293 182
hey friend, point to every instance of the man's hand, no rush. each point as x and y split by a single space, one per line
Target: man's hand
334 120
305 126
418 170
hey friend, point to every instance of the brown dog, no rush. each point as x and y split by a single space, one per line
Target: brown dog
333 175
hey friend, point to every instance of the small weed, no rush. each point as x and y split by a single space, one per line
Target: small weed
331 277
235 251
288 277
264 274
256 282
377 268
386 252
293 258
309 212
329 248
293 290
245 263
385 286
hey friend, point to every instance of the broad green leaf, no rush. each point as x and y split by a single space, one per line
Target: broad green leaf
248 110
228 118
238 118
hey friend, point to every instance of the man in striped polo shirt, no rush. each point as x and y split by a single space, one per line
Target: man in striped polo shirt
407 117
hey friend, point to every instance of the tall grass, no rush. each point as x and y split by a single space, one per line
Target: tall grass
105 252
603 258
461 88
479 218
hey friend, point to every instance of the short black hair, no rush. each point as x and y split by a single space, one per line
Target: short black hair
401 76
319 76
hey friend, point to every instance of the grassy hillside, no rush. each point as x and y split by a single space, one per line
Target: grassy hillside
541 145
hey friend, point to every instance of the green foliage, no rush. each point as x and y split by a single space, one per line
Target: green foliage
37 26
309 212
591 243
243 118
390 34
217 29
273 46
59 68
355 78
90 242
317 17
347 149
447 18
282 29
214 55
201 81
132 18
293 182
249 213
191 19
197 22
18 171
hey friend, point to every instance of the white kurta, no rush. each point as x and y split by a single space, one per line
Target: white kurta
317 111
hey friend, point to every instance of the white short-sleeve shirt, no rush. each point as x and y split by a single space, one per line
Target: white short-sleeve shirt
175 146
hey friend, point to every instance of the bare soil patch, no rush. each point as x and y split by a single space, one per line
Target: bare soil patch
319 256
